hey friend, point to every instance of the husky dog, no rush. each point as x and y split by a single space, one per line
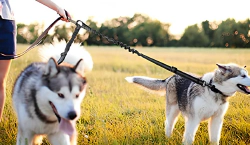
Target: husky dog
197 103
47 97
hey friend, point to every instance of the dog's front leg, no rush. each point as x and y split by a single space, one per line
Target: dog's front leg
215 124
191 126
24 138
59 138
214 129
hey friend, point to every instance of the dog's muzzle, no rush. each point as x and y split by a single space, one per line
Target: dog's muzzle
66 125
243 88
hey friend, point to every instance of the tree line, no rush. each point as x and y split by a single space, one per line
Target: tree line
141 30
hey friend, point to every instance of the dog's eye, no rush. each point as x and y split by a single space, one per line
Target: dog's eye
60 95
243 76
77 95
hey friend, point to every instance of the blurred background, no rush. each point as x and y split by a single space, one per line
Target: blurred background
163 23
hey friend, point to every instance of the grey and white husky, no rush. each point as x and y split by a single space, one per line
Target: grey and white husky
47 97
197 103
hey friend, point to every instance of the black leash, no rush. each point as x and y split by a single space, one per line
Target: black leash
43 36
63 54
35 43
163 65
79 24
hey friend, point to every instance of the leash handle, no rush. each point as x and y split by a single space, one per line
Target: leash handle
66 13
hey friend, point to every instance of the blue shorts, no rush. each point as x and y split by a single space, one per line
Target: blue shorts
7 38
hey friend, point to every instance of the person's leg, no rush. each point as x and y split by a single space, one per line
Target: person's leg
4 69
8 47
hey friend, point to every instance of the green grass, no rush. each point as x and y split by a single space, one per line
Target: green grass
116 112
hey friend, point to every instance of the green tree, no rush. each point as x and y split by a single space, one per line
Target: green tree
243 34
28 33
208 31
61 32
151 33
90 38
20 35
224 35
194 37
117 29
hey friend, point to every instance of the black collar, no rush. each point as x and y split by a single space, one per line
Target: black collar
214 89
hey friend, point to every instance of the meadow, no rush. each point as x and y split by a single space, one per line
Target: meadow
115 112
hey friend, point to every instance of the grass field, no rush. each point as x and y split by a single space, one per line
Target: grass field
115 112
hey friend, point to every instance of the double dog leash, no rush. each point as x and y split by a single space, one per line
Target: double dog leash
161 64
79 24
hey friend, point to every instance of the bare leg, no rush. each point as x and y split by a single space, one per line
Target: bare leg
4 69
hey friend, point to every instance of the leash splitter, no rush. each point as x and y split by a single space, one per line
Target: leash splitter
63 54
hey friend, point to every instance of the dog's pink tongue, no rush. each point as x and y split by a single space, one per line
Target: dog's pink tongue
67 126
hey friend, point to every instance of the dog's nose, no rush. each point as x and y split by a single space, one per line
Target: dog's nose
72 115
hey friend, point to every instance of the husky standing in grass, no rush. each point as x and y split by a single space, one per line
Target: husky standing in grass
47 97
197 103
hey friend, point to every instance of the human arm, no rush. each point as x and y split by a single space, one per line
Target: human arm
56 8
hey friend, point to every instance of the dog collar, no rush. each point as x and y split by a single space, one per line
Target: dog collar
214 89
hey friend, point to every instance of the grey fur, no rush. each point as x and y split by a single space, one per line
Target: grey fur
198 103
33 77
47 97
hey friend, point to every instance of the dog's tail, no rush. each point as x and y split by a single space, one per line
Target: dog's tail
150 84
75 53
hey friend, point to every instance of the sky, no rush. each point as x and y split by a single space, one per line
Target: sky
179 13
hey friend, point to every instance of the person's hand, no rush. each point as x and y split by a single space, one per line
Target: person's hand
56 8
62 13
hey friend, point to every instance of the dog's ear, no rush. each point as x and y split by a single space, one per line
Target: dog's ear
77 64
222 68
51 68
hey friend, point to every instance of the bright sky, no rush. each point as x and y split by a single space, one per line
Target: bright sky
179 13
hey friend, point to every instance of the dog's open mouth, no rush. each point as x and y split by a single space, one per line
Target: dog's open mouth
65 125
244 88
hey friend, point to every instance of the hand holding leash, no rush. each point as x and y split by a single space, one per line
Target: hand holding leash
65 16
63 13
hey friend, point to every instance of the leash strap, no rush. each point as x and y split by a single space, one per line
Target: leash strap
172 69
63 54
37 42
163 65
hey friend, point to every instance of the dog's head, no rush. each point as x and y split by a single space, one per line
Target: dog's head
66 89
232 78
